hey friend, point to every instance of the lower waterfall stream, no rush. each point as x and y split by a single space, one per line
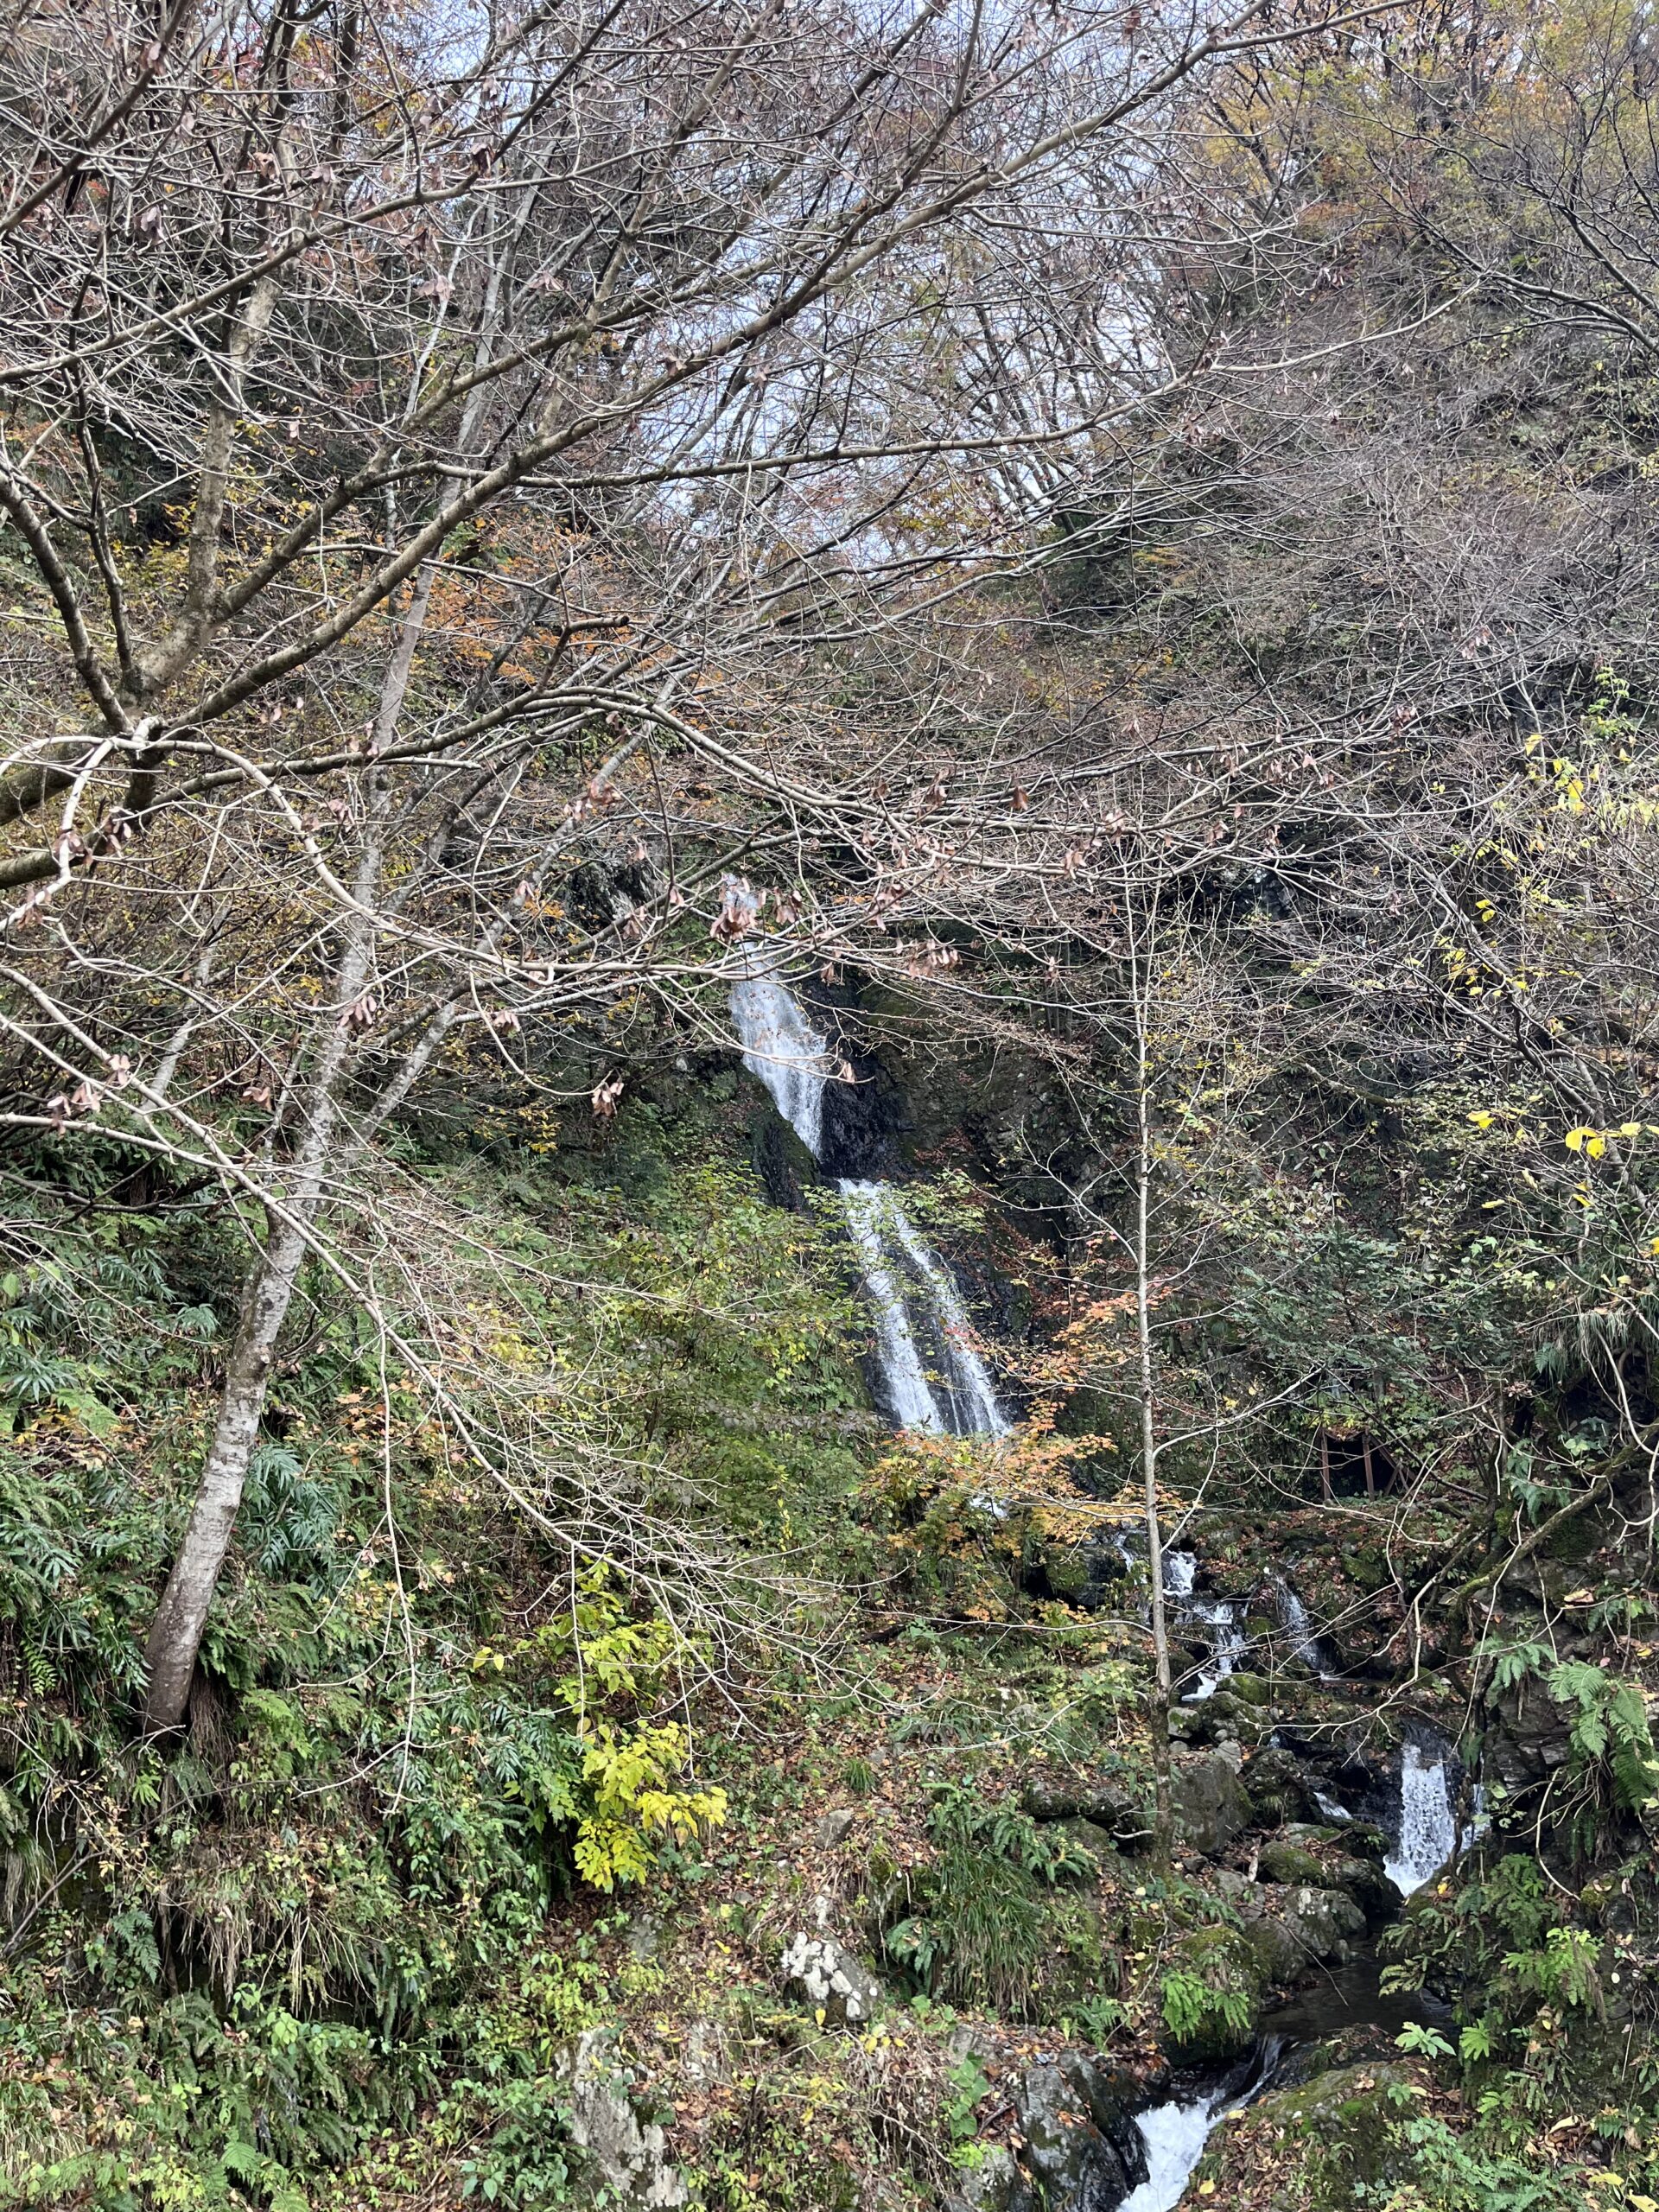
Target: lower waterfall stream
933 1380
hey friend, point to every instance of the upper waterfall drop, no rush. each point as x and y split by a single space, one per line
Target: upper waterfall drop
781 1046
932 1377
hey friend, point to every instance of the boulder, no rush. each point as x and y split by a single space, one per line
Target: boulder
831 1980
1288 1862
627 2152
1069 2159
1250 1689
1325 1921
1344 2126
1225 1960
1112 1806
833 1828
1111 2094
1211 1805
993 2184
1292 1929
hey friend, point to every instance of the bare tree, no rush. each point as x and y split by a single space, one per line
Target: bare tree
457 455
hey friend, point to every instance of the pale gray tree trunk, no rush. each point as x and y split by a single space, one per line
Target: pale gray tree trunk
176 1630
175 1633
1164 1831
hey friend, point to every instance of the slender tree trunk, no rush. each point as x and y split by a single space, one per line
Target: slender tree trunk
1324 1464
176 1632
1370 1473
1164 1827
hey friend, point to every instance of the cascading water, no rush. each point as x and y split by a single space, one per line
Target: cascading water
1174 2135
1216 1615
1428 1825
782 1047
1303 1641
932 1375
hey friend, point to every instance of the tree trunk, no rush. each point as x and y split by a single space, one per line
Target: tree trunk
176 1632
1159 1703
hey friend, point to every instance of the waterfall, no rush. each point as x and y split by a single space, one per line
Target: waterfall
1428 1827
781 1046
1228 1645
932 1377
1304 1644
910 1395
1218 1615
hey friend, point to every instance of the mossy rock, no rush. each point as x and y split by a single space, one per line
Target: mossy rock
1288 1862
1312 2145
1250 1689
1225 1960
1067 1570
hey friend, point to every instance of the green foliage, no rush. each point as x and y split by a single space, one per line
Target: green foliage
1193 2008
324 1916
984 1929
1609 1726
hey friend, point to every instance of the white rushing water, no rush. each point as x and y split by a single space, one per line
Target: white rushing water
1303 1641
1228 1645
931 1374
781 1046
1428 1827
1174 2135
1218 1616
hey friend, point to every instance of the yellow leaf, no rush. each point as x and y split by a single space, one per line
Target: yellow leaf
1630 1128
1482 1120
1574 1139
1595 1146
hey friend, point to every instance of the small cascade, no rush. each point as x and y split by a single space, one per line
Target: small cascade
782 1047
1174 2135
1217 1616
1229 1645
932 1377
1304 1644
1428 1827
1175 2132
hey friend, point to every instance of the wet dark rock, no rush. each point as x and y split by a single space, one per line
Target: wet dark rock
785 1169
1109 2093
1211 1805
1071 2162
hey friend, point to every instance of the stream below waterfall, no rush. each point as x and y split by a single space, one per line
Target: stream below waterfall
1345 1997
931 1378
